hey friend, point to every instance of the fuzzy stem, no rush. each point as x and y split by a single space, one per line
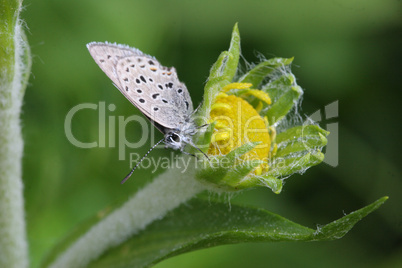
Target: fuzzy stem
14 67
165 193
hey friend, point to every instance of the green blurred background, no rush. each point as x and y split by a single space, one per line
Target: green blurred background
346 51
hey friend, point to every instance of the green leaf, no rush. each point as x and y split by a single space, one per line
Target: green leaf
256 75
204 224
337 229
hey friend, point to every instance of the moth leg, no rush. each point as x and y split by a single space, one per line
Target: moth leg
190 154
205 125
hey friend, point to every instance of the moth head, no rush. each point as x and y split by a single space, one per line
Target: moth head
174 140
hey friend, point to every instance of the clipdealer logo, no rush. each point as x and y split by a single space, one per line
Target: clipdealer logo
327 118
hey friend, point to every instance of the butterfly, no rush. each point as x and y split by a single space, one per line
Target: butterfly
154 89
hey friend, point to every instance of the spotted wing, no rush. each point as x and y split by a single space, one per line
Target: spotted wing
154 89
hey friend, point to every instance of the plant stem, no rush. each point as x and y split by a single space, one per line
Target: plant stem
151 203
14 67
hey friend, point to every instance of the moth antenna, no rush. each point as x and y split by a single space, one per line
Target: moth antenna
193 155
131 172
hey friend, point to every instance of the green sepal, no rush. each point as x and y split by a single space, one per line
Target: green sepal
218 67
271 182
236 177
232 60
297 162
256 75
277 87
226 65
212 88
253 180
301 138
224 69
280 108
205 138
221 74
239 151
304 131
218 167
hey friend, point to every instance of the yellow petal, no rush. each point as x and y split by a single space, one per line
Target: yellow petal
260 95
236 86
